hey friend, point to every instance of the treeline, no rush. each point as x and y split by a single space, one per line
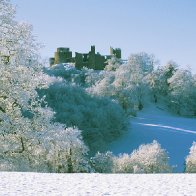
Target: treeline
148 158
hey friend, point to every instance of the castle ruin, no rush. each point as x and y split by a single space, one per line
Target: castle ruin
91 60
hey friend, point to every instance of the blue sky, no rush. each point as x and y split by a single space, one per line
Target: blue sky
165 28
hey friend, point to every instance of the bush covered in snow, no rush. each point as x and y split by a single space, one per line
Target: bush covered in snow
149 158
191 160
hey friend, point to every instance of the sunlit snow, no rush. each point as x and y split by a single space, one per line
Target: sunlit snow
43 184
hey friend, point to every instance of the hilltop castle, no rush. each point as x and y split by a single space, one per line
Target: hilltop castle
90 60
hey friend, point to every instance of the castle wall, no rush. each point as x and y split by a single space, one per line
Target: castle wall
99 62
90 60
80 60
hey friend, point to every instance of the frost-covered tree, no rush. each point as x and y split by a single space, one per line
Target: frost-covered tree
102 162
149 158
142 63
104 86
175 87
191 160
123 164
66 152
159 80
182 93
27 136
127 83
113 64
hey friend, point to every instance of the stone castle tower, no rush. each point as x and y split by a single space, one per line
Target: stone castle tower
62 55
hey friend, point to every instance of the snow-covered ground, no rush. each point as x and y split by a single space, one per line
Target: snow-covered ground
37 184
175 134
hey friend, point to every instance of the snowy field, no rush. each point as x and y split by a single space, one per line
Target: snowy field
175 134
37 184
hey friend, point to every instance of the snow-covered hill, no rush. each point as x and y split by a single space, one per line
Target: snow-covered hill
175 134
27 184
